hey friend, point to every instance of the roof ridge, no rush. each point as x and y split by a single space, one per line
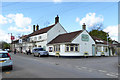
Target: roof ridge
71 32
48 26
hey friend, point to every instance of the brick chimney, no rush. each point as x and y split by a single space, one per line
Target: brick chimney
56 19
37 27
83 26
33 28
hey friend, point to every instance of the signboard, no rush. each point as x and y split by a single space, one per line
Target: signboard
12 37
85 37
20 40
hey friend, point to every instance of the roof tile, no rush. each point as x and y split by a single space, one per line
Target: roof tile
67 37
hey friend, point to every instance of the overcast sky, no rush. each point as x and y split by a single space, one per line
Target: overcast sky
18 17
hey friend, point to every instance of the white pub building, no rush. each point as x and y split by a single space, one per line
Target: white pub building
57 41
78 43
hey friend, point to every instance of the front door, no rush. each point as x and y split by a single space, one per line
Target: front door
20 49
93 50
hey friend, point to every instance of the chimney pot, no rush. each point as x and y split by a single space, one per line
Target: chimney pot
83 26
56 19
33 28
37 27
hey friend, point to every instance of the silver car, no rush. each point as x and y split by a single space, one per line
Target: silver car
39 52
5 60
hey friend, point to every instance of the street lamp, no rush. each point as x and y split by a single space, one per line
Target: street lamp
10 37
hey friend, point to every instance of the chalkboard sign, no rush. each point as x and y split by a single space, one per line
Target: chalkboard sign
85 37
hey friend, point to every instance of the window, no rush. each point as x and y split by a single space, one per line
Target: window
76 47
99 48
50 49
4 55
35 38
105 49
40 37
72 48
56 47
39 46
67 47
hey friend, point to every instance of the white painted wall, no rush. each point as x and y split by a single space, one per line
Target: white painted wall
62 51
43 37
50 35
55 31
84 45
42 41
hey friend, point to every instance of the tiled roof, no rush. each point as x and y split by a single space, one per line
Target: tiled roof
67 37
24 36
41 31
100 41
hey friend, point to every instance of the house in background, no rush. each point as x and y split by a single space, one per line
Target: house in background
116 47
78 43
102 48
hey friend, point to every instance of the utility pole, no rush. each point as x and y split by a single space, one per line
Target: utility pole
107 43
11 41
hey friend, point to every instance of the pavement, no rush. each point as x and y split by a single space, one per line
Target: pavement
28 66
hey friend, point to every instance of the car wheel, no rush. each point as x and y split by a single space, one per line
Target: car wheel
39 55
47 55
11 68
34 55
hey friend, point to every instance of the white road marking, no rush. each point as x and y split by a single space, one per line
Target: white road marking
102 71
80 68
112 75
84 67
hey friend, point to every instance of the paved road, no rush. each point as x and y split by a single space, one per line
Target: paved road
27 66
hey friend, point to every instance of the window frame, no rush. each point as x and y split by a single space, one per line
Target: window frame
69 47
40 37
99 48
56 48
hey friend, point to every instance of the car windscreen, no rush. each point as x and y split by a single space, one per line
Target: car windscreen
39 49
4 55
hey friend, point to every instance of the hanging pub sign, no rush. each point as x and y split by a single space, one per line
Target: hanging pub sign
85 37
20 40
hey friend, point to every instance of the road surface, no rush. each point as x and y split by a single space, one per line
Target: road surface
27 66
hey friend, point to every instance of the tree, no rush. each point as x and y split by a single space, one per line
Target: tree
96 27
100 34
4 45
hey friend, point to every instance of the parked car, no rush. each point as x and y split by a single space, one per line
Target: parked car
5 60
8 50
39 52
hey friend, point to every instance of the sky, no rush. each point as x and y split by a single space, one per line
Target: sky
19 17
